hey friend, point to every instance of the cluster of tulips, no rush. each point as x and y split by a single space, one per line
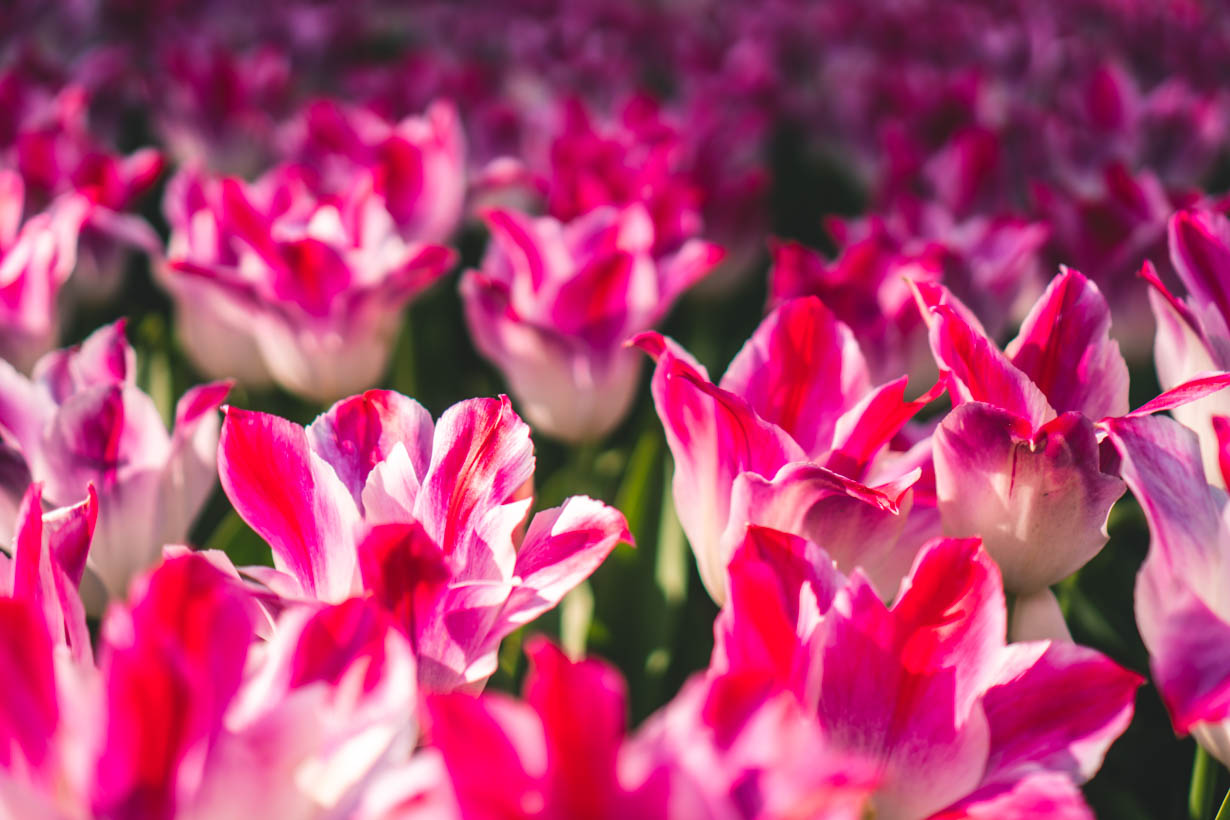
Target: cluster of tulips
888 494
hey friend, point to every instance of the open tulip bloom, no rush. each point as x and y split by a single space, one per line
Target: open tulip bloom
1018 460
274 283
430 519
81 425
794 437
187 714
554 303
955 723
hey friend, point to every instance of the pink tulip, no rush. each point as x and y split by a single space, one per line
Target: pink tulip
272 282
554 303
82 421
1017 461
561 753
417 166
48 555
1193 334
219 107
956 722
50 141
988 261
795 438
713 752
639 159
373 497
185 716
1181 606
737 750
1105 227
36 258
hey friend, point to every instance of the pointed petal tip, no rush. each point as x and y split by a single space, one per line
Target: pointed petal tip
650 341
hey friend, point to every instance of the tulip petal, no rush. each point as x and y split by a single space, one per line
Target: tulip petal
292 498
562 547
1180 592
172 661
714 436
48 561
1189 391
780 584
1039 501
29 711
583 716
1058 706
357 434
976 370
855 525
480 457
800 370
1065 348
1200 252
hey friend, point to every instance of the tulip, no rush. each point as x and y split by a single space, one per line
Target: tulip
989 261
417 166
1181 606
81 421
1017 461
562 752
956 722
186 716
1193 334
553 304
36 258
794 438
373 497
273 283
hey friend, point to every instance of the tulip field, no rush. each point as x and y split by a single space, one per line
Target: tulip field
668 409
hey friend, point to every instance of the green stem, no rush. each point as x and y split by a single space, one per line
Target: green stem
1224 812
1204 779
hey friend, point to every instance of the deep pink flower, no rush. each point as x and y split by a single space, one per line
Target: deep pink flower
1181 605
954 720
273 282
554 303
50 141
1105 228
716 751
417 166
1017 461
186 716
82 421
36 258
220 107
989 261
1193 334
561 753
639 161
796 438
373 497
47 556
